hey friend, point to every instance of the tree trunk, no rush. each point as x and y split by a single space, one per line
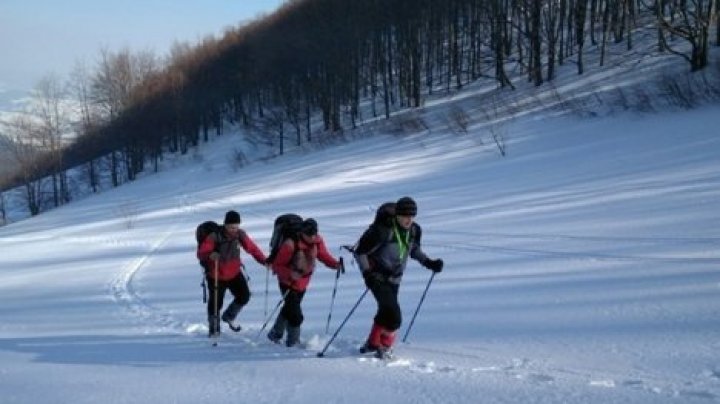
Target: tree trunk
580 32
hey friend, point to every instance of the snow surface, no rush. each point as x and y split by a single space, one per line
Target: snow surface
582 267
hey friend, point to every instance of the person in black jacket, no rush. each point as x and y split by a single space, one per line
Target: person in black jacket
382 254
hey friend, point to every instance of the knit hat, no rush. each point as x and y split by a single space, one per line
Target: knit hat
232 217
405 206
309 227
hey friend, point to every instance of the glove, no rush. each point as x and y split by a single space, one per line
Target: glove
340 266
433 265
214 256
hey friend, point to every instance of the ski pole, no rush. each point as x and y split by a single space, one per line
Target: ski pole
332 301
203 285
322 353
418 307
267 320
267 283
216 320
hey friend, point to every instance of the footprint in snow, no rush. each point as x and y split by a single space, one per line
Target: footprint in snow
697 394
603 383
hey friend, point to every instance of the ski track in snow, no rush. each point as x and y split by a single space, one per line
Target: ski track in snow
523 370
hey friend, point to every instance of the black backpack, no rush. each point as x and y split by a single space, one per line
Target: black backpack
383 224
385 214
204 229
285 226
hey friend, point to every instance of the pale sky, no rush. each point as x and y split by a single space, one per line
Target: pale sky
41 37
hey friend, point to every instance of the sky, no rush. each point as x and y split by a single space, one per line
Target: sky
41 37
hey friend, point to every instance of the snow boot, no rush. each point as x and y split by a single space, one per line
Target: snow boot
387 338
230 314
293 336
213 326
278 329
373 341
368 348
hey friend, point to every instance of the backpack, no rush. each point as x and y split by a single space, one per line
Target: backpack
385 214
383 223
285 226
205 229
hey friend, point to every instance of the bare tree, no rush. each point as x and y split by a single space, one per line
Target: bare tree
4 175
580 17
690 20
717 22
79 85
20 131
112 89
3 209
52 123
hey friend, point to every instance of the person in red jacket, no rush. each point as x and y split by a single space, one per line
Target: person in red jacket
220 253
294 266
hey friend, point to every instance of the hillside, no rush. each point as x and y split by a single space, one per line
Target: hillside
580 267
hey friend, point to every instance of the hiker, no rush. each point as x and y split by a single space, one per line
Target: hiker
382 254
294 266
220 254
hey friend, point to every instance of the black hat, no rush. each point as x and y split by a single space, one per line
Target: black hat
309 227
232 217
405 206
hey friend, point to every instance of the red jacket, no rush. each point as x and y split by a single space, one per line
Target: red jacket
295 261
228 246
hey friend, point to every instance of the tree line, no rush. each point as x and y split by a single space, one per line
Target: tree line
321 66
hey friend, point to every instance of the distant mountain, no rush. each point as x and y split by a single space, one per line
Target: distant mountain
12 100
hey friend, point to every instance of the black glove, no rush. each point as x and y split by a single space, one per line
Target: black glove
433 265
340 266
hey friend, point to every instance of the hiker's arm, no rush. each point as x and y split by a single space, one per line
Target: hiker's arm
416 251
282 263
324 255
369 242
251 248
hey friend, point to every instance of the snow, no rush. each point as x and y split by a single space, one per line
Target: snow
581 267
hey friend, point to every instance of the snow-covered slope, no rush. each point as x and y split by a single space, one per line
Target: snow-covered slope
582 267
